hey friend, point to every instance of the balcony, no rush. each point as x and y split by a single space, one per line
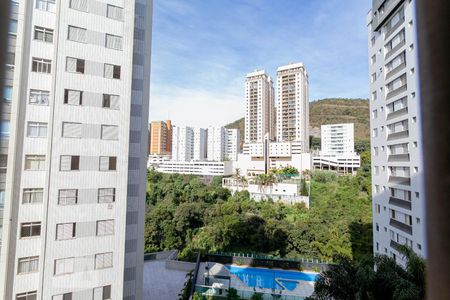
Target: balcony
396 92
397 113
398 157
395 70
393 50
400 180
398 135
379 20
400 202
401 226
394 245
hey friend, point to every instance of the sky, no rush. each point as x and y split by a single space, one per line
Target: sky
202 50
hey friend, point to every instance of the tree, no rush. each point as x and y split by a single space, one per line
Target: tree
378 277
232 294
186 291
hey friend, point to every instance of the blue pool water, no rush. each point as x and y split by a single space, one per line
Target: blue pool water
267 278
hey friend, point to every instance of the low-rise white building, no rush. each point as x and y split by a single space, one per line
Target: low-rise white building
259 158
337 149
203 168
286 192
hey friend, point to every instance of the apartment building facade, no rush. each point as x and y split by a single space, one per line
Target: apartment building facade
232 146
160 137
337 139
216 143
260 109
200 144
293 105
397 192
182 143
75 186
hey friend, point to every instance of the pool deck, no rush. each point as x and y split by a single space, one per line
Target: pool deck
303 288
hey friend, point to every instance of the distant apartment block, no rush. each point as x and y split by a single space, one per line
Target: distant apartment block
397 192
232 140
202 168
216 143
293 105
182 143
160 137
260 109
337 139
75 145
200 144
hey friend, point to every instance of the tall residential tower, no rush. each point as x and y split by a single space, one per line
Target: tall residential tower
260 110
293 105
160 137
398 203
78 142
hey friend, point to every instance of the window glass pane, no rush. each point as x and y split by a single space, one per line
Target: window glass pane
4 129
7 94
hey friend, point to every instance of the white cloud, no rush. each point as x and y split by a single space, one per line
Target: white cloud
195 107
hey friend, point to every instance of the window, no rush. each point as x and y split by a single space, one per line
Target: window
395 19
34 162
73 97
79 5
75 65
105 227
110 132
396 83
64 266
77 34
67 197
43 34
27 296
65 231
2 198
3 163
103 260
28 265
110 101
112 71
66 296
41 65
102 293
71 130
7 93
32 195
114 12
37 129
70 163
396 40
374 114
397 61
113 42
375 132
373 59
106 195
108 163
48 5
374 77
12 28
32 229
4 128
39 97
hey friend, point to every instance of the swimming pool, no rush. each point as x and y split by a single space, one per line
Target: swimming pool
271 279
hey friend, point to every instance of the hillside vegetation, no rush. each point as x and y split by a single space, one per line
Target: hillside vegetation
331 111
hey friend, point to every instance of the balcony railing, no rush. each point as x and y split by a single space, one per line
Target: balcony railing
398 135
395 70
396 92
400 202
397 113
400 180
395 49
401 226
395 245
398 157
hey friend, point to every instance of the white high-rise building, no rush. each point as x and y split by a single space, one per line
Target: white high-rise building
232 138
397 191
293 105
200 144
182 143
260 110
75 187
216 143
337 139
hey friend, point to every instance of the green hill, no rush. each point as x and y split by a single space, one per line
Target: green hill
331 111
